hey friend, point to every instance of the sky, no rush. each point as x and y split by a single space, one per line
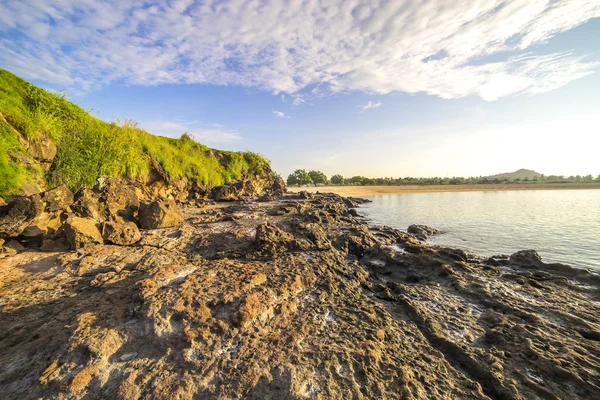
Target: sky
356 87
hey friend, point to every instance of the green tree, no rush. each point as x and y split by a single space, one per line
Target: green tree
317 177
298 178
337 179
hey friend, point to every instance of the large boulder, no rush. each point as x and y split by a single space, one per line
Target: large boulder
82 231
422 232
526 258
87 205
163 213
57 199
121 233
117 198
278 187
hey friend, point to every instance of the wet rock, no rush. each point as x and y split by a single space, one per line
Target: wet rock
158 214
422 232
498 260
526 258
82 231
121 233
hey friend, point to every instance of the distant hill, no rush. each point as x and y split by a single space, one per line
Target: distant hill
519 174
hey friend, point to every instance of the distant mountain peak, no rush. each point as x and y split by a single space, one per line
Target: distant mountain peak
521 174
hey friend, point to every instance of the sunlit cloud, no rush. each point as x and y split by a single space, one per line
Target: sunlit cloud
212 133
280 114
439 48
370 105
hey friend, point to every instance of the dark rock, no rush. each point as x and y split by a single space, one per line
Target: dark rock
278 187
272 240
162 213
15 217
60 244
14 245
526 258
353 212
124 234
82 231
498 260
305 195
87 205
422 232
266 198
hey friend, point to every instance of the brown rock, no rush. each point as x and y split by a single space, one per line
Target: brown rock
82 231
158 214
278 187
42 149
124 234
57 199
87 205
117 198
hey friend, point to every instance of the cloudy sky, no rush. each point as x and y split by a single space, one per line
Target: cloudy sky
369 87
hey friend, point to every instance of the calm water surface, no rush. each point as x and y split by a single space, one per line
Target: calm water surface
562 225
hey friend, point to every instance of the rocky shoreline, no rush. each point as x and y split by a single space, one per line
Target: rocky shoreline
275 297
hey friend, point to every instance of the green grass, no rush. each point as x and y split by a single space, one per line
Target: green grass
88 148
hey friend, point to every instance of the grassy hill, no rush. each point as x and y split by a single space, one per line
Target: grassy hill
519 174
35 124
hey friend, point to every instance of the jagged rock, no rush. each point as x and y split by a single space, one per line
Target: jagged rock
305 195
526 258
235 191
265 198
117 198
498 260
422 232
278 187
60 244
124 234
57 199
82 231
31 216
42 149
272 240
15 217
162 213
87 205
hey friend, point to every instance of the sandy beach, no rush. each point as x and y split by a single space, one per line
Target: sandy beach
365 190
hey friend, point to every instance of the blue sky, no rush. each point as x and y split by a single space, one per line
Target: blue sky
357 87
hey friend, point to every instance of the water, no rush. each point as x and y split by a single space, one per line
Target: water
561 225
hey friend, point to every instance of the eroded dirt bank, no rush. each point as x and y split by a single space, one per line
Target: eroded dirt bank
293 298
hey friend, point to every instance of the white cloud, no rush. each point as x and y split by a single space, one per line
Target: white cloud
212 133
440 48
280 114
370 105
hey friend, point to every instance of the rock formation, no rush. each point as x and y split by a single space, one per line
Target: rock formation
287 299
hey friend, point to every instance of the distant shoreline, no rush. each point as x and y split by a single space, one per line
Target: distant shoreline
365 190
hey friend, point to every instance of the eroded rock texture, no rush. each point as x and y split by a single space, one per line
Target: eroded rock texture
293 299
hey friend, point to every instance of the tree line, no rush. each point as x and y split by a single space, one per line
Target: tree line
301 177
